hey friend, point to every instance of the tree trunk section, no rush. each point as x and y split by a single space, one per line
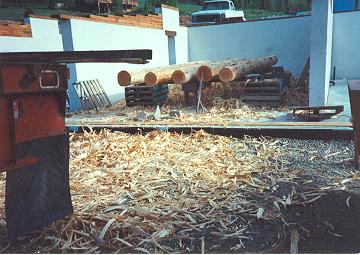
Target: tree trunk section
236 71
164 75
187 74
210 72
136 77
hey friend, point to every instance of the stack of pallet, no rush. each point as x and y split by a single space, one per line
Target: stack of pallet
190 74
16 29
145 95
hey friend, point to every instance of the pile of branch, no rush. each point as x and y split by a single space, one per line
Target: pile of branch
207 71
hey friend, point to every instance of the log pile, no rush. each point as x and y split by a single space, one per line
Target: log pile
225 71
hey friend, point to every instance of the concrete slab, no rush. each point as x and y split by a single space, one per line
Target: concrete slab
339 95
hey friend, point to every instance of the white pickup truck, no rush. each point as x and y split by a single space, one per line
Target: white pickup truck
215 11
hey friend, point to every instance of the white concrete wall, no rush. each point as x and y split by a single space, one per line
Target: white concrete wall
287 38
170 18
45 37
182 45
320 51
346 45
86 35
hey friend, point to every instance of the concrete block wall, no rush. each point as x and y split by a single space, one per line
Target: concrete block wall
45 37
346 45
87 35
288 38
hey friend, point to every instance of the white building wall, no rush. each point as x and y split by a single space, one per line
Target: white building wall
87 35
182 45
45 37
320 51
288 38
170 18
346 45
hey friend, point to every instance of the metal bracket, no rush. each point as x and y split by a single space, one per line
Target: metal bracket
199 103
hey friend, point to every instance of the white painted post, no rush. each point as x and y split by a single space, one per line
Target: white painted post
320 51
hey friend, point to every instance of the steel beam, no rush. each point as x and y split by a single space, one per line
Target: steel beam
66 57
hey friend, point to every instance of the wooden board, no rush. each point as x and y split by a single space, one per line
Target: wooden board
15 29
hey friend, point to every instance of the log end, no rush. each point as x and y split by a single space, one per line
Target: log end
151 79
226 75
205 72
124 78
178 77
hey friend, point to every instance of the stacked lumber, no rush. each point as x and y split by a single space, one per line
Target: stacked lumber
147 21
225 71
16 29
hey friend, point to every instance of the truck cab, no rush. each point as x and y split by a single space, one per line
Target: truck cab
216 11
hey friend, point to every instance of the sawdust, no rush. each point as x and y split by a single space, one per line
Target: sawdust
160 192
297 96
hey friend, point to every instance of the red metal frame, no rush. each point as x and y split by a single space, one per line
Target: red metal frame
29 111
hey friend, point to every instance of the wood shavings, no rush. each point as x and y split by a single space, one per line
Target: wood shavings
163 192
221 106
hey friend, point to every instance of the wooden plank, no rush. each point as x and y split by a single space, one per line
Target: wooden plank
220 124
261 89
15 30
126 20
262 97
304 73
264 103
40 17
170 33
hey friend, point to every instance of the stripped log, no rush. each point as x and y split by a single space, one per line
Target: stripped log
164 75
157 77
136 77
187 74
210 72
244 67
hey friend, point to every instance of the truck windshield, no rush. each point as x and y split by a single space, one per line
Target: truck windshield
215 6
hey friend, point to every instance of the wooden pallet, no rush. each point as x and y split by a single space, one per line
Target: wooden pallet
268 92
145 95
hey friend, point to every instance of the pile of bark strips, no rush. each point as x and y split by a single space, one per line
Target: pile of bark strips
165 192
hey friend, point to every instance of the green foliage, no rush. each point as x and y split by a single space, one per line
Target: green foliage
117 6
157 3
148 6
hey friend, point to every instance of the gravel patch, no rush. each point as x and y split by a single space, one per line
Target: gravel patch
324 162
